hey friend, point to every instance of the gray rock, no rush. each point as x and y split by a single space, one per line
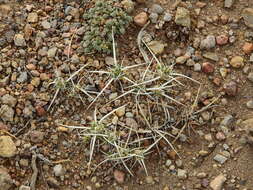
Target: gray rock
220 158
6 113
22 77
52 52
9 100
157 47
7 147
58 170
130 122
247 15
23 187
251 58
228 3
153 17
197 67
75 59
183 17
156 9
19 40
9 35
250 76
212 56
182 174
45 24
208 43
168 163
2 42
167 17
228 120
36 136
179 163
32 17
249 104
5 179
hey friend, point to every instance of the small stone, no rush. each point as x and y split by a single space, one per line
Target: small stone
220 136
228 3
167 17
203 153
197 67
212 56
247 48
220 158
179 163
182 174
121 111
247 15
130 122
168 163
183 17
201 175
249 104
153 17
251 58
7 147
222 40
227 121
23 187
52 182
24 162
156 9
128 5
157 47
52 52
150 180
32 17
217 182
250 76
208 137
36 136
207 67
181 59
19 40
58 170
141 19
119 176
45 24
6 113
237 62
5 179
35 81
208 43
230 88
9 100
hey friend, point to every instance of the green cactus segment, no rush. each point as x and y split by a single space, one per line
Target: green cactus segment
100 20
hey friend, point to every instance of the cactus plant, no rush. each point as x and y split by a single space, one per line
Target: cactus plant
100 21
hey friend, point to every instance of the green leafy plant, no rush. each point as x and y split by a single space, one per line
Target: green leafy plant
100 21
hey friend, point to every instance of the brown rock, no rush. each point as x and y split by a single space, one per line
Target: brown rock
141 19
119 176
36 136
7 147
237 62
218 182
222 40
207 67
247 47
230 88
5 179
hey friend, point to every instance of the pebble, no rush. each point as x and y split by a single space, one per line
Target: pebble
249 104
19 40
183 17
251 58
208 43
230 88
212 56
181 59
197 67
52 52
121 111
52 182
201 175
9 100
168 163
5 179
182 174
157 47
228 3
222 40
153 17
32 17
37 136
250 76
167 17
179 163
220 136
130 122
217 182
237 62
227 121
6 113
220 158
207 67
128 5
141 19
23 187
119 176
247 48
156 8
150 180
58 170
247 15
7 147
45 24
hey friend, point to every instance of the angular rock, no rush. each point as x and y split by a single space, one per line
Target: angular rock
183 17
141 19
182 174
52 52
36 136
19 40
9 100
6 113
156 8
247 15
220 158
208 43
7 147
157 47
250 76
230 88
5 179
228 3
32 17
218 182
58 170
212 56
